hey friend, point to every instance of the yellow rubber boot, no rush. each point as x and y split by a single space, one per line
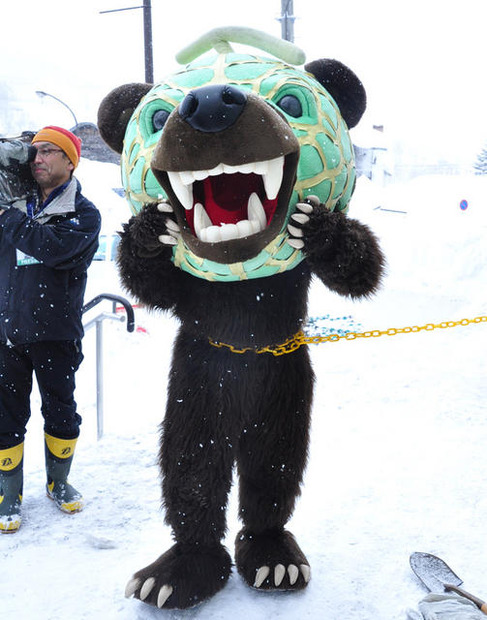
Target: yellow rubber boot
11 481
59 456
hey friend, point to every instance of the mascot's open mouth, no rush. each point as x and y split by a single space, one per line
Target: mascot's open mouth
229 202
229 187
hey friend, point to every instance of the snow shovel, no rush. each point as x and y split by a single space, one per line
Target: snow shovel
437 576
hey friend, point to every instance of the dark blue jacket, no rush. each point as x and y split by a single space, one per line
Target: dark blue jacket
43 268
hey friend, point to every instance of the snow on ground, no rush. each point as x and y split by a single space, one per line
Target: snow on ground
397 460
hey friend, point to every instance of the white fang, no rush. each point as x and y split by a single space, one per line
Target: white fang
210 233
271 170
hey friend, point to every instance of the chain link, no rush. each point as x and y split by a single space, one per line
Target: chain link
300 339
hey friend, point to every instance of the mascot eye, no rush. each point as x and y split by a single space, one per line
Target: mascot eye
159 119
291 105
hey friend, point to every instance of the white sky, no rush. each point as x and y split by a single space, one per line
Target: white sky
423 62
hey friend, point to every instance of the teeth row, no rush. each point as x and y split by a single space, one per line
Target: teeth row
209 233
271 171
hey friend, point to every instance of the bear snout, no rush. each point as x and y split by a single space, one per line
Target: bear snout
213 108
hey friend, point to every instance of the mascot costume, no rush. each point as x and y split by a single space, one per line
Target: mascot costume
239 169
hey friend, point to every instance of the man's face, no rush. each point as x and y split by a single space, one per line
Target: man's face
51 168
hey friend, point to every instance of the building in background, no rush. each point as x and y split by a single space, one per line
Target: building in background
372 156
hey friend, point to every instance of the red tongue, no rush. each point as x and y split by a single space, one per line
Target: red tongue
225 198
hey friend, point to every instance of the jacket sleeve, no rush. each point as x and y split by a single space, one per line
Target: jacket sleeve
66 244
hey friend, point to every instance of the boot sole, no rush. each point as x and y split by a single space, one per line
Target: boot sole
12 527
70 508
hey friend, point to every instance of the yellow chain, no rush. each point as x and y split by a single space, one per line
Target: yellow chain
300 338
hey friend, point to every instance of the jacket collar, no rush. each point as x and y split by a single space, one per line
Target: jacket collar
59 203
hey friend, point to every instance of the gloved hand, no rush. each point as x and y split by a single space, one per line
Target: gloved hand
16 152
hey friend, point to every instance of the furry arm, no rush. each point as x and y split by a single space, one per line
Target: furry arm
341 251
144 261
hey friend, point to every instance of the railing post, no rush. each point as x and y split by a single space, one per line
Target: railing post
99 379
98 322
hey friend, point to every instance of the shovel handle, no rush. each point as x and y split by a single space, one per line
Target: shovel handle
482 605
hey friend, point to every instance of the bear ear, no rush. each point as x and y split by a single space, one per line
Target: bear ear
343 85
115 111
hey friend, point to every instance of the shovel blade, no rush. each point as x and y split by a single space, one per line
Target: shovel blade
433 571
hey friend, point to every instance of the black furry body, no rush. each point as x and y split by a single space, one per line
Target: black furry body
224 408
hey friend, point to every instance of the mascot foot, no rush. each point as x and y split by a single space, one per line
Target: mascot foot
271 560
182 577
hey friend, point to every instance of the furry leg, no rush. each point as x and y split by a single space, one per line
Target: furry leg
271 460
196 460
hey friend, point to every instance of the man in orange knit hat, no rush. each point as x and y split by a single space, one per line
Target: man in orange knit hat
47 241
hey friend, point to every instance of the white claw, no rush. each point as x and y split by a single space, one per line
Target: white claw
171 225
261 576
164 207
302 218
314 200
147 588
297 244
130 588
279 572
167 240
164 593
295 232
306 570
293 573
305 207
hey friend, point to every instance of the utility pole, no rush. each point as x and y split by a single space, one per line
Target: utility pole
148 54
287 20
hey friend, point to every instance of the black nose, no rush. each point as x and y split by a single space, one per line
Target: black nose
213 108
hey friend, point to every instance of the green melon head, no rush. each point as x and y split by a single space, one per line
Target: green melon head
233 142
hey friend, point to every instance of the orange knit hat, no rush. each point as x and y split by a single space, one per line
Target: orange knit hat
62 138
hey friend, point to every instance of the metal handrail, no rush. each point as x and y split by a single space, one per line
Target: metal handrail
116 299
98 322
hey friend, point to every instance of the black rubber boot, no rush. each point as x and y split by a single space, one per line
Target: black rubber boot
59 456
11 481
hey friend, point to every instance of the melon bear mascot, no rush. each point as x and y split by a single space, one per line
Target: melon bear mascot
239 170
